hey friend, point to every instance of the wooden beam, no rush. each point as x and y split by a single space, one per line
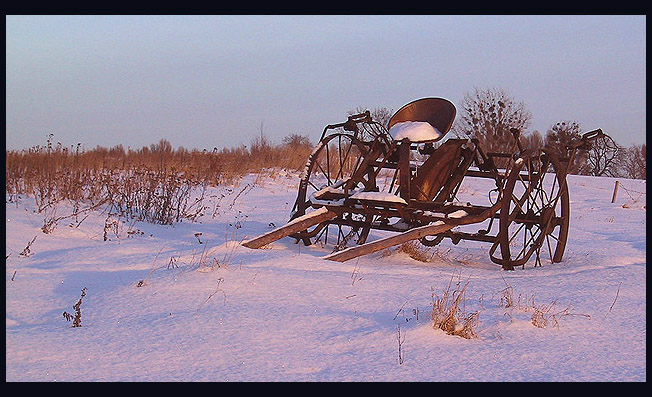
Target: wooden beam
404 174
368 248
296 225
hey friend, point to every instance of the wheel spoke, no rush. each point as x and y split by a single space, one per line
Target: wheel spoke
534 213
527 243
539 191
549 248
518 203
516 232
339 157
518 256
344 160
325 173
330 165
313 185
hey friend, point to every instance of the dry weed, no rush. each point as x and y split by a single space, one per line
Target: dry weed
416 251
448 316
77 307
155 184
542 314
27 250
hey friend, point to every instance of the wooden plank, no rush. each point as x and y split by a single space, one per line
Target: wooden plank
296 225
368 248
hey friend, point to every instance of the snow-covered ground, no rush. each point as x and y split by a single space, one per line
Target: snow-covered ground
161 306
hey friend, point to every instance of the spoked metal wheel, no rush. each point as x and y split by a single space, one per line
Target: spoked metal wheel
534 213
330 169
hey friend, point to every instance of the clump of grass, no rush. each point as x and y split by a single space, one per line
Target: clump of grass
448 316
416 251
542 314
507 297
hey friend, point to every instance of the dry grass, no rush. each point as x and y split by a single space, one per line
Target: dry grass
448 312
416 251
542 314
155 184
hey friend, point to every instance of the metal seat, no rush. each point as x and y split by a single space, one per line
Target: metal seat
438 112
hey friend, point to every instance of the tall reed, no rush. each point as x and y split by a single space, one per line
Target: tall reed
156 183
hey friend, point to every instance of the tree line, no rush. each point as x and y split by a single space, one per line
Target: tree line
487 115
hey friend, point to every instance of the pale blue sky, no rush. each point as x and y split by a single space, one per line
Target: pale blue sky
212 81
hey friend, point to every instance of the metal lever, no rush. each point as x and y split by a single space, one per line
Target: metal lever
517 135
584 141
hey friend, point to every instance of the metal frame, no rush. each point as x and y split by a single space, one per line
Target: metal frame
523 207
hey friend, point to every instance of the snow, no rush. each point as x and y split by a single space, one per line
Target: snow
458 214
335 189
318 212
164 303
415 131
379 196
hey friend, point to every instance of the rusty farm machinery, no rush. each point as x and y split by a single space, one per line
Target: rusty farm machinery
404 178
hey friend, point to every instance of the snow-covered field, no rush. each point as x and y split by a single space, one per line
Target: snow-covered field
161 306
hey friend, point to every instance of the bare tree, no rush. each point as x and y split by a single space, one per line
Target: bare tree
380 115
634 162
163 149
602 158
162 146
559 136
488 115
296 141
533 141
